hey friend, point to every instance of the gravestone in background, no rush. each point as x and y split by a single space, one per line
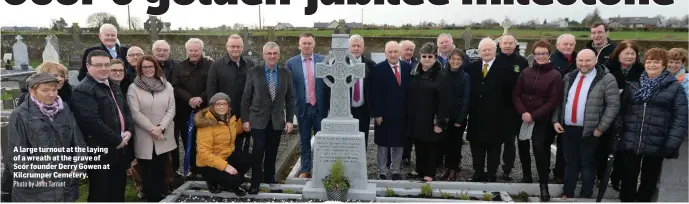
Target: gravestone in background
530 59
56 43
340 136
506 24
271 33
253 55
153 25
50 54
21 54
377 57
467 37
474 54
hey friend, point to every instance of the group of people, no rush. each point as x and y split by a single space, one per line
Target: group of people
139 106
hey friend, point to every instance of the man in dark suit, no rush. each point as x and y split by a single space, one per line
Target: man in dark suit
361 91
407 55
486 110
389 81
108 43
106 122
267 109
228 75
311 95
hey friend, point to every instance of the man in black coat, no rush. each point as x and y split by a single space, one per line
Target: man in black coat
600 43
564 60
407 48
106 122
189 82
361 91
487 108
227 74
515 64
108 43
161 52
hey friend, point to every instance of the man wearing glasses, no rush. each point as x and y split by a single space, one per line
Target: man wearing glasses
105 120
161 52
227 74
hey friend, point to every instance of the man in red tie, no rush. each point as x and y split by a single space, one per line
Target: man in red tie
389 81
361 92
591 102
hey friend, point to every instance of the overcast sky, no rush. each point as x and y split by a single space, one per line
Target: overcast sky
196 15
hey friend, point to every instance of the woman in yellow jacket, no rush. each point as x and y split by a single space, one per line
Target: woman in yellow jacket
218 163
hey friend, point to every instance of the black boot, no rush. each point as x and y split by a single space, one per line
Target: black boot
545 195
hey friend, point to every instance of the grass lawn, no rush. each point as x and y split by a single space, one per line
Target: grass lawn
129 191
477 33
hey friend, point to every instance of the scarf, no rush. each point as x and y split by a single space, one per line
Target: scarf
150 84
49 110
569 58
680 75
221 118
648 86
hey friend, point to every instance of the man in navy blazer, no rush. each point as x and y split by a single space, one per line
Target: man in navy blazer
108 43
311 95
389 82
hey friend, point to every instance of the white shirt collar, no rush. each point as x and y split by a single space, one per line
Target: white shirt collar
302 57
490 63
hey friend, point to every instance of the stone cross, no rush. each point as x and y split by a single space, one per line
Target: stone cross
20 52
467 37
271 33
50 54
76 39
340 104
506 24
153 25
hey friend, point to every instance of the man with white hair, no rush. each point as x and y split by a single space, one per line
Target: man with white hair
407 52
161 52
489 91
512 120
390 80
564 61
108 43
189 82
227 74
361 91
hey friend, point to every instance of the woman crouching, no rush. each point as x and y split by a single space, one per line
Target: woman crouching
43 120
219 164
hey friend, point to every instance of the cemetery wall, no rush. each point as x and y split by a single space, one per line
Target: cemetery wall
215 45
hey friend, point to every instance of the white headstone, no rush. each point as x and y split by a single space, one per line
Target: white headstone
522 48
474 54
378 57
73 76
50 54
340 136
20 52
55 42
7 57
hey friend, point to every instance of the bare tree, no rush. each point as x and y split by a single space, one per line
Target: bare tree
685 20
136 23
592 17
489 22
442 23
661 18
95 20
237 26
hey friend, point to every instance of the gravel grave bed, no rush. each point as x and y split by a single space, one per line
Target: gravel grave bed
466 170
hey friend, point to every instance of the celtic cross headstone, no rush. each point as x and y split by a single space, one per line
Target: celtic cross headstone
340 136
506 24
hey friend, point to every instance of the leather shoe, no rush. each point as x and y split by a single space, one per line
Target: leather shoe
445 175
396 177
506 176
545 195
305 175
382 177
214 188
253 190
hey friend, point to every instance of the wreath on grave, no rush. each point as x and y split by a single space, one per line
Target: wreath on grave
336 184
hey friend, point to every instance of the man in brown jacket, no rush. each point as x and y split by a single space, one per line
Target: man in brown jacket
189 82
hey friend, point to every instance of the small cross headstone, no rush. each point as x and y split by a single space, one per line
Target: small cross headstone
246 38
76 33
21 53
467 37
506 24
340 136
49 54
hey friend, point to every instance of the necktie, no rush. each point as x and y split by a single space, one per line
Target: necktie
397 75
271 85
576 99
485 70
118 107
357 97
312 84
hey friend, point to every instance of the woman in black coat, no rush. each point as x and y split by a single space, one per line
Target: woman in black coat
427 106
654 126
459 109
625 65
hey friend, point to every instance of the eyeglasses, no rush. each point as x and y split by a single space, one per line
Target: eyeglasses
427 56
221 104
541 54
161 50
99 66
235 47
135 55
117 71
148 67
